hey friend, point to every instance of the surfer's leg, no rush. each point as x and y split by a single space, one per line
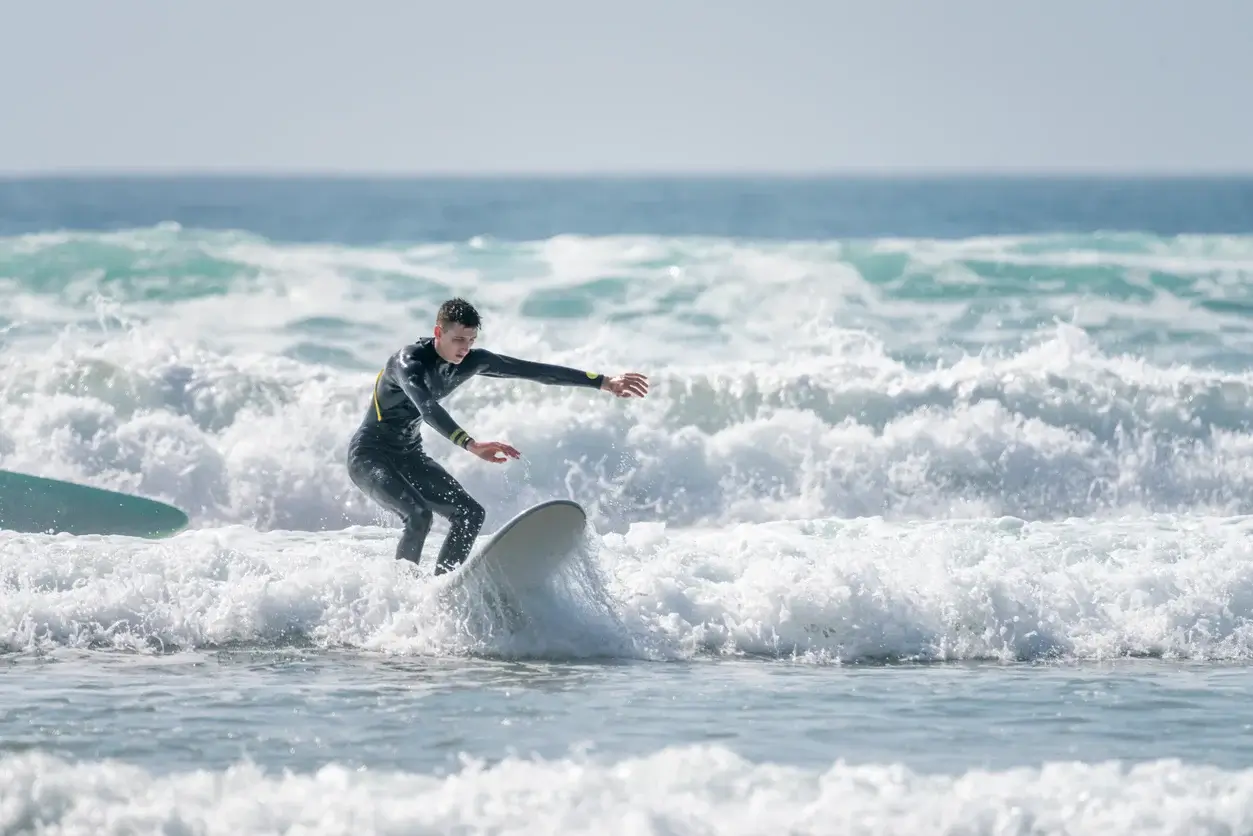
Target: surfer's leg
381 477
413 537
444 495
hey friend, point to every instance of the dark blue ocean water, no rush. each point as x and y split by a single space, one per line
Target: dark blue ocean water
373 211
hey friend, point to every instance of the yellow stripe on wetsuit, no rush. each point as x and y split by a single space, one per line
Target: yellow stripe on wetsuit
377 410
459 436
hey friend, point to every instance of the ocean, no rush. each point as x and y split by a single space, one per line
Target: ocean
935 520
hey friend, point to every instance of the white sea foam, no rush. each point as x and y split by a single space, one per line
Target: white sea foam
677 790
812 591
791 381
1054 430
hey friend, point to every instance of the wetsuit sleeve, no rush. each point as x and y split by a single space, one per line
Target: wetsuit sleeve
491 364
410 380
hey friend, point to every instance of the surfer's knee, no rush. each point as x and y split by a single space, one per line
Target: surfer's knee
419 519
471 511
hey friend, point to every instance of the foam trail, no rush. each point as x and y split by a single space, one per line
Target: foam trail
233 587
813 592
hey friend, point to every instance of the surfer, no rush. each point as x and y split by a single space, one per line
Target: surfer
386 459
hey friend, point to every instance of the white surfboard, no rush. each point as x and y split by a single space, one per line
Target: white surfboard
524 552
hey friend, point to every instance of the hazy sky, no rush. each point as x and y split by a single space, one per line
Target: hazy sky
645 85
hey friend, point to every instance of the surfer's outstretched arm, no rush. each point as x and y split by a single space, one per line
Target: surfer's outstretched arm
490 364
409 377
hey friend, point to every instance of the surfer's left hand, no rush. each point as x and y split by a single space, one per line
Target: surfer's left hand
631 384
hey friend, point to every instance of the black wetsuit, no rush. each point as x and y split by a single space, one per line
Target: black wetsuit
385 455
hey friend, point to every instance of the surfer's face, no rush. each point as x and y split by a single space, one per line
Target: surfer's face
453 343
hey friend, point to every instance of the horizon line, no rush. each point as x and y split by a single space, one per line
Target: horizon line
864 173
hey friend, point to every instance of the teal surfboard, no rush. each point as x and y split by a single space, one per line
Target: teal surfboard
38 505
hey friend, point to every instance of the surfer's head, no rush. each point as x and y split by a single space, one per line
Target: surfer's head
456 328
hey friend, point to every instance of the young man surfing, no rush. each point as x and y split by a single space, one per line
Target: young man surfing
385 456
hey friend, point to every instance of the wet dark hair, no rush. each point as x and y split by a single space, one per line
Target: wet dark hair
457 311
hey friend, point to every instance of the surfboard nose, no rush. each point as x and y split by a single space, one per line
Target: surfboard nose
527 549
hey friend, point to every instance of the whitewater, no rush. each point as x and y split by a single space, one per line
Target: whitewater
918 530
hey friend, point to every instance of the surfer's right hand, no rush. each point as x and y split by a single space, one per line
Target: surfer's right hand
493 451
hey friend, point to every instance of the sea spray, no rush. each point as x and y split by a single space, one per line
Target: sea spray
811 591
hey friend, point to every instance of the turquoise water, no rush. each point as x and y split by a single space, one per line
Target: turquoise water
935 520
